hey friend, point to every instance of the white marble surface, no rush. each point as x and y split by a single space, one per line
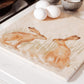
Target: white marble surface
7 79
20 71
23 72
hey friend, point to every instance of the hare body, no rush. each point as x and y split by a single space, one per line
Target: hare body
21 37
60 57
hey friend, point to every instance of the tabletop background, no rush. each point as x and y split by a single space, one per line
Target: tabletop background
15 70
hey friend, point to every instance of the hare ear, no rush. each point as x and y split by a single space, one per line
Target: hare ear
58 39
32 29
75 37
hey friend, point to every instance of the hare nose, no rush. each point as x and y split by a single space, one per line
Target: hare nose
44 37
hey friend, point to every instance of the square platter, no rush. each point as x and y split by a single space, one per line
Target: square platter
56 45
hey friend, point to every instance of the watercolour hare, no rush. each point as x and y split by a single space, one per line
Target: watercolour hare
21 37
60 57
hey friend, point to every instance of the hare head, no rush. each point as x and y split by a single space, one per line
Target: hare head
62 41
38 35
